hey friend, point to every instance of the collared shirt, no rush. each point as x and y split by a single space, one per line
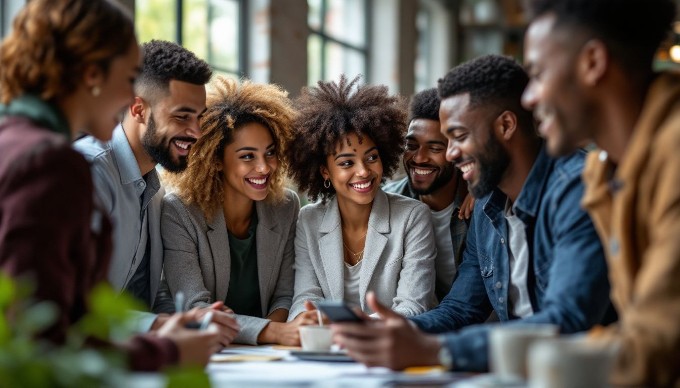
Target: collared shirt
445 264
128 198
567 274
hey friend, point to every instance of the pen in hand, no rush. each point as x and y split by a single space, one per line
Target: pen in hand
207 318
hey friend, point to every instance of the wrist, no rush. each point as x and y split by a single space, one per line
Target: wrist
269 334
444 356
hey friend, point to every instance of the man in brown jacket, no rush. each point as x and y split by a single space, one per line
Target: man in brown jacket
590 63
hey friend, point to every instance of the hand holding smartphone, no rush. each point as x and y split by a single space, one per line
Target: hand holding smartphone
338 312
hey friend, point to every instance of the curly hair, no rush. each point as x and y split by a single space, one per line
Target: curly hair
424 105
230 106
633 35
491 80
53 41
166 61
328 113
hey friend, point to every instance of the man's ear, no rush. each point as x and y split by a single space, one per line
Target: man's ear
592 62
139 110
505 125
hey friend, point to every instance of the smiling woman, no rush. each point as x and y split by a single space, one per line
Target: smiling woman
229 228
358 238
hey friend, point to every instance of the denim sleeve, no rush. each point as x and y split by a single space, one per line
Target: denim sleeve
576 284
467 303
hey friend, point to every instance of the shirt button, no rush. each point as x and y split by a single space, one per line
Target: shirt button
500 300
499 285
502 241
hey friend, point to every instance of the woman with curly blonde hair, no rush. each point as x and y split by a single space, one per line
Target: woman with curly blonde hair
229 227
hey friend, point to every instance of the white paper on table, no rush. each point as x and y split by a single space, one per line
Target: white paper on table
281 372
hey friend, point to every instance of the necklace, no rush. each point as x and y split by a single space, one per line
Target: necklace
357 256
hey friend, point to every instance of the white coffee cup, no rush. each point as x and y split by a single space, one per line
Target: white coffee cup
508 346
316 338
569 362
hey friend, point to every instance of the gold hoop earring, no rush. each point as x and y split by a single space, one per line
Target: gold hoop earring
327 183
95 91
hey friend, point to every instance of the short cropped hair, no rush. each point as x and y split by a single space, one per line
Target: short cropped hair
424 105
53 41
230 106
166 61
631 29
331 111
493 81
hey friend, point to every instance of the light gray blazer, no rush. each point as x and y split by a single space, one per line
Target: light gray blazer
398 263
197 258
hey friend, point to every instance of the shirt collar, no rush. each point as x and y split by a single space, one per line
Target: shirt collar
39 111
529 199
125 158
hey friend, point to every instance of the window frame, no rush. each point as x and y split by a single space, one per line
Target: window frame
325 38
243 35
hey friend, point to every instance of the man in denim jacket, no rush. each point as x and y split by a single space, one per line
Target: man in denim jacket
531 254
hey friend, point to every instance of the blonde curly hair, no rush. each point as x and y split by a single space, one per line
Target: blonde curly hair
230 106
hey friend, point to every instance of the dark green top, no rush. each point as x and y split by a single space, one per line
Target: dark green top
38 110
243 295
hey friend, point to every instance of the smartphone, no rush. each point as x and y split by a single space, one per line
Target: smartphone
338 312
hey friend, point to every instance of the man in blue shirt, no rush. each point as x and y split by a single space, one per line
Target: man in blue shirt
158 128
432 179
531 254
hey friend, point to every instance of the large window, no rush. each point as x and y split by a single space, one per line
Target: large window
8 9
212 29
338 39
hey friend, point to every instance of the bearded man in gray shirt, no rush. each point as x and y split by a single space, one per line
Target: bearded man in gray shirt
158 128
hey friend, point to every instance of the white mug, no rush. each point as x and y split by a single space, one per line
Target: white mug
508 346
316 338
570 362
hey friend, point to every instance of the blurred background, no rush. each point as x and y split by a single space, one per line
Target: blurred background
404 44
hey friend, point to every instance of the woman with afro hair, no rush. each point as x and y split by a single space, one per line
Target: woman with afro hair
229 227
357 238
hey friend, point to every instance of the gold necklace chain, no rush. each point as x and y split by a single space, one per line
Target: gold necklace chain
357 255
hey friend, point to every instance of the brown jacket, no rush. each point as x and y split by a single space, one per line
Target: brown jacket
637 214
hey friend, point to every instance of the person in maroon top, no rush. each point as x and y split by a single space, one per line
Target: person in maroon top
68 67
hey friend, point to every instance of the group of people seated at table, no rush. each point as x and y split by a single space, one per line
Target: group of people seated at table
502 217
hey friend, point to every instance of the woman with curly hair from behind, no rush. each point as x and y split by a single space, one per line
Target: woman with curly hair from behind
229 227
357 238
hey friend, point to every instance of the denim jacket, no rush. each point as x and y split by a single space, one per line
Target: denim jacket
567 277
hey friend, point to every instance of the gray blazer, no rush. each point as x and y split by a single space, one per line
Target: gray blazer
197 258
398 263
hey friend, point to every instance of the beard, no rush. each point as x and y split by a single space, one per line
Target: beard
446 173
492 164
156 147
